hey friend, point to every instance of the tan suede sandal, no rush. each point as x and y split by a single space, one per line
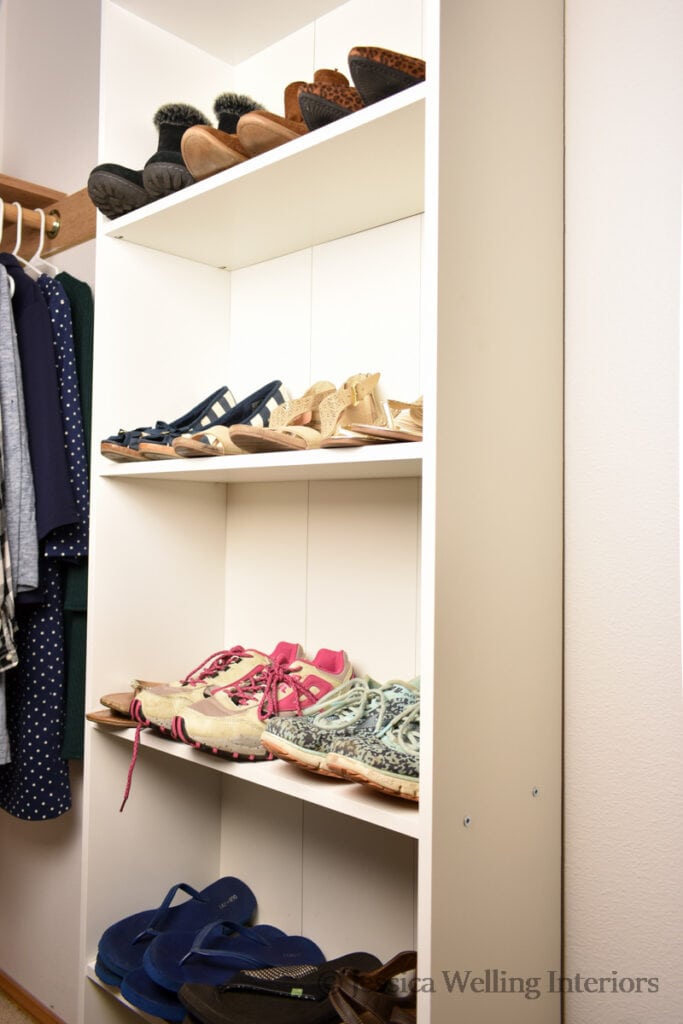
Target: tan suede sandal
404 422
260 130
216 441
293 425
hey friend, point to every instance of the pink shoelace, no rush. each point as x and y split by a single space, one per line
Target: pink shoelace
273 677
216 662
243 691
207 669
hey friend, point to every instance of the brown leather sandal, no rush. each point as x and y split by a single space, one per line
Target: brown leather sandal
368 997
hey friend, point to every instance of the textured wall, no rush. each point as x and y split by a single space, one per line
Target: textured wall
624 728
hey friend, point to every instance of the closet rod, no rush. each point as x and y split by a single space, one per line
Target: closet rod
31 219
75 213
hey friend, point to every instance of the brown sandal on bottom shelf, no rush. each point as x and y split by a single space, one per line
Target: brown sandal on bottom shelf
116 711
377 997
111 719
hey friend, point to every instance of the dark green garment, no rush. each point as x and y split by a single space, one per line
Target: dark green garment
76 574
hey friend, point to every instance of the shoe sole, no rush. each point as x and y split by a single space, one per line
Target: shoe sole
310 760
120 453
114 196
376 81
236 752
260 132
255 440
206 151
164 178
385 782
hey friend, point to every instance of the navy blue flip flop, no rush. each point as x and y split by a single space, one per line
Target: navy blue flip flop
107 976
210 956
122 945
139 989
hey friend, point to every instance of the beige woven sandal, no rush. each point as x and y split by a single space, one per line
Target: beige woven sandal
292 426
215 441
404 422
355 401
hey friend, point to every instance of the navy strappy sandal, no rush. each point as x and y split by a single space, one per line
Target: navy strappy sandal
215 439
125 445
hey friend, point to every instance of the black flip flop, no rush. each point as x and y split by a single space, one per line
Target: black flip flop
279 995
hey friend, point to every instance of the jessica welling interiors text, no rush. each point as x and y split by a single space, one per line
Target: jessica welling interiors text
496 980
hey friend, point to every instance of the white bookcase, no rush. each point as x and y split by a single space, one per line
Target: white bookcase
422 238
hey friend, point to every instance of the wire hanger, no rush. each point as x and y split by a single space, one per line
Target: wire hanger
37 265
20 221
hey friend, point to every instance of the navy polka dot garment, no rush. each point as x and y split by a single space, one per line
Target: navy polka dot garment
35 785
68 541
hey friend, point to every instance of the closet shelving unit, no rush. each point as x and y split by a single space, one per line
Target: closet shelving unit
421 237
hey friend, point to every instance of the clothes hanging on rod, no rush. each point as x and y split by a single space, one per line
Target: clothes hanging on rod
19 493
34 784
80 299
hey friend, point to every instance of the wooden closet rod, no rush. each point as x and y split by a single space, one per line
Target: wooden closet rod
31 219
70 220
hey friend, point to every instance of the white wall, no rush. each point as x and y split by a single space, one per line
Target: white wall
49 100
624 727
49 95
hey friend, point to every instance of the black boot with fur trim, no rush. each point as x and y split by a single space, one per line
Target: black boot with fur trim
116 190
165 171
207 150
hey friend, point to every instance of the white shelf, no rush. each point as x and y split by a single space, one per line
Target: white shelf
355 800
364 170
403 459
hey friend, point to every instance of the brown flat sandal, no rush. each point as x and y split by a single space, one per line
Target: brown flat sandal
111 719
368 998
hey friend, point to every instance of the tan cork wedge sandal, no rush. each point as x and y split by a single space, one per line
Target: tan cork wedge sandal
355 401
293 426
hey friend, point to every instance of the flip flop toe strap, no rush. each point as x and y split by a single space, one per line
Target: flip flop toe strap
160 913
217 928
